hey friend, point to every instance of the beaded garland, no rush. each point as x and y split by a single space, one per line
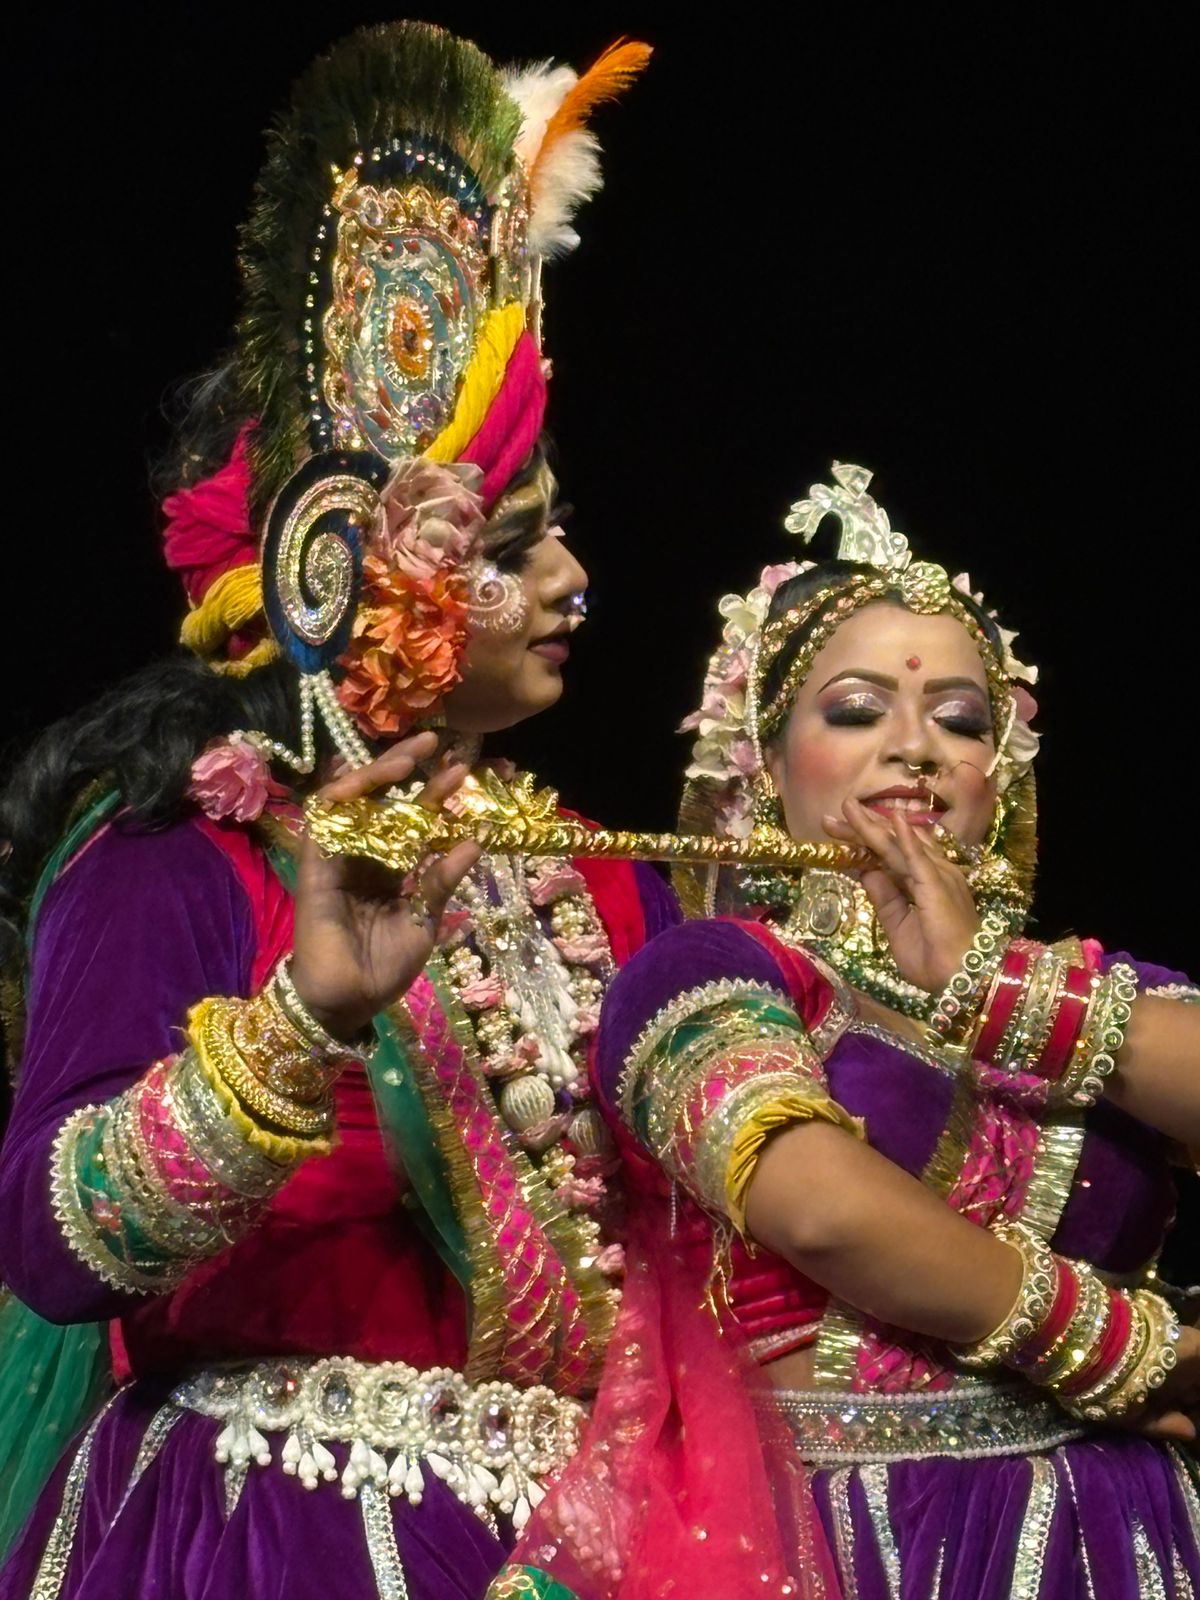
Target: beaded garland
527 958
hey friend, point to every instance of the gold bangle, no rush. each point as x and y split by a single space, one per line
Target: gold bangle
961 1001
283 992
1082 1082
1072 1350
285 1150
1032 1306
1148 1358
212 1028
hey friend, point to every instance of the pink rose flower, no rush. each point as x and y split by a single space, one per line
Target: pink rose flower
552 879
611 1260
481 994
743 758
432 517
588 947
528 1050
587 1020
232 779
581 1194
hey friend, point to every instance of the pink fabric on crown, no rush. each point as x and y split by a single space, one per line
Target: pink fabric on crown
510 429
208 530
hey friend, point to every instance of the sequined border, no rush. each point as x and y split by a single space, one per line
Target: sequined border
843 1529
56 1557
1034 1537
967 1423
874 1480
155 1436
380 1531
1151 1583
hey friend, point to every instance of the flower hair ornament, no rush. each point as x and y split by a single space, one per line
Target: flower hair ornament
390 368
727 788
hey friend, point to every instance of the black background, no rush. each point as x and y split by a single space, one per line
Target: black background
942 241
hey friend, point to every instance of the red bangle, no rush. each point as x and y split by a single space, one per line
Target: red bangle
1067 1025
1108 1347
1007 989
1062 1309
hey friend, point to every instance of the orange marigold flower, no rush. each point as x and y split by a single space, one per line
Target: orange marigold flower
406 649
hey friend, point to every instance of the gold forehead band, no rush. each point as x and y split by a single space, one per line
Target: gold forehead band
924 589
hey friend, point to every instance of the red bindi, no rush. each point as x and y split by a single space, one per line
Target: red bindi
913 663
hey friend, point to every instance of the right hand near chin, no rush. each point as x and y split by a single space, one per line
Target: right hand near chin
1173 1412
359 940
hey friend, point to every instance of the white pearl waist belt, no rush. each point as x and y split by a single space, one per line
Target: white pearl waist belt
492 1444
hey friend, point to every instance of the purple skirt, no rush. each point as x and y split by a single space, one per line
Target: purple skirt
142 1509
1111 1517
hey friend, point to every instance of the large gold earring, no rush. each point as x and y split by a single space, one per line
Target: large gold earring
764 887
1003 877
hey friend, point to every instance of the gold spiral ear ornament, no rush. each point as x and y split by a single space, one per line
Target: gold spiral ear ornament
316 532
517 818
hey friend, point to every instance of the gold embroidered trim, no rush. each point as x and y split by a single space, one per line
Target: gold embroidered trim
945 1165
760 1115
874 1480
722 991
78 1227
1059 1147
835 1353
1034 1537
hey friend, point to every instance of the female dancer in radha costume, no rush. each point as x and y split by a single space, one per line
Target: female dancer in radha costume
199 1149
866 1394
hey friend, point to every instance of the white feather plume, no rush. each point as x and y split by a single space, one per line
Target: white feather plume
538 91
570 172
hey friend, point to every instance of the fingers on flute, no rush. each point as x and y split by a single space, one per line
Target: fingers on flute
445 873
397 763
448 777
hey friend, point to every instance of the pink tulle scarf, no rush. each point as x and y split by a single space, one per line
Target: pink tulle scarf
687 1482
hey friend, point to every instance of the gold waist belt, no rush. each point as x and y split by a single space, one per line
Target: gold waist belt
985 1419
492 1444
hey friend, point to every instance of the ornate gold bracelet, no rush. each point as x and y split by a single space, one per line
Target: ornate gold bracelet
960 1002
268 1066
1029 1309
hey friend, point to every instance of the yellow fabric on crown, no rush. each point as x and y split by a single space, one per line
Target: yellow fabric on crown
481 381
235 599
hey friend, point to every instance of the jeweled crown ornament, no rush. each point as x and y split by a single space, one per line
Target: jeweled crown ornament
867 536
392 288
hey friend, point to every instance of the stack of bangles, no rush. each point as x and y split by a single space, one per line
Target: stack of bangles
1100 1351
1038 1027
272 1066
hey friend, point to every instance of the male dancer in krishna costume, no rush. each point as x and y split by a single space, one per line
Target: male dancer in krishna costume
899 1175
304 1208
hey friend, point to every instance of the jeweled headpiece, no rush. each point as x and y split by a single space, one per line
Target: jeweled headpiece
392 311
737 717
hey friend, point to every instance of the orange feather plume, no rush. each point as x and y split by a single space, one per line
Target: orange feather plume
606 79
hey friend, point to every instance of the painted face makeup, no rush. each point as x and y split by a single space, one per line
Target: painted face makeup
513 668
869 724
